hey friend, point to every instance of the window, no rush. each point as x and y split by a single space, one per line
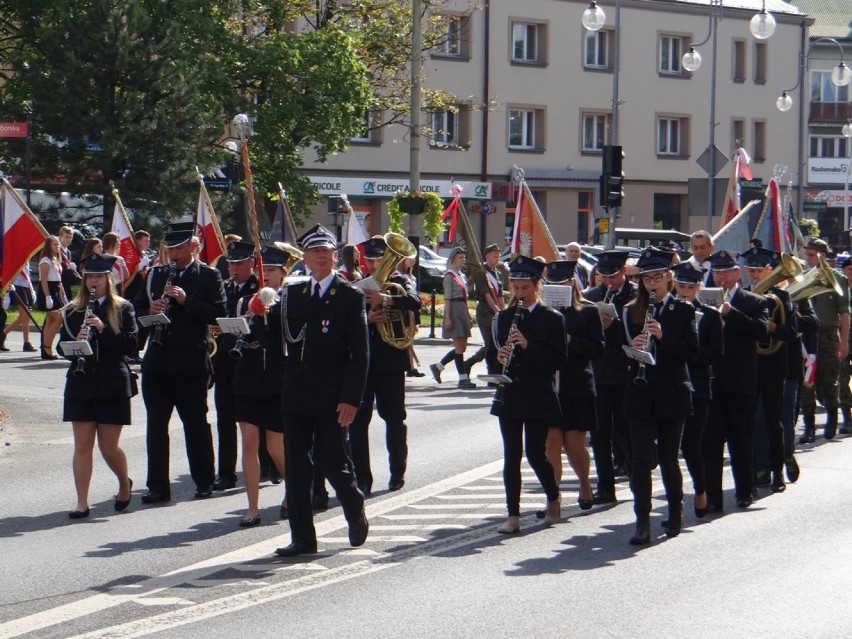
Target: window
451 36
760 63
528 42
597 49
824 146
739 60
671 51
585 217
595 127
526 129
824 90
671 134
759 142
737 132
367 135
450 128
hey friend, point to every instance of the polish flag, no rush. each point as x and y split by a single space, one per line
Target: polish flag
127 247
207 229
22 235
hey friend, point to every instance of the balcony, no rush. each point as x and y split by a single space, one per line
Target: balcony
830 112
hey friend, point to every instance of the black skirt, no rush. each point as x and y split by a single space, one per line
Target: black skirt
41 303
102 411
578 413
25 294
262 411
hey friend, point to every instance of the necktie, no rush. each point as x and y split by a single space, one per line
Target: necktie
317 290
96 307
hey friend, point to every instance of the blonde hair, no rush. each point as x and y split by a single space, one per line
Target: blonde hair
113 303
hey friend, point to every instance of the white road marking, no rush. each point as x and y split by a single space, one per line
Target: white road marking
166 601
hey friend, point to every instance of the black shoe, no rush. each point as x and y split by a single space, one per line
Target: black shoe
792 468
415 373
540 514
674 523
642 535
78 514
600 497
28 348
223 484
619 471
808 435
777 485
395 484
831 426
585 504
203 492
714 508
3 347
320 503
436 372
294 550
46 355
745 502
365 490
846 429
153 497
274 477
121 504
762 478
250 522
466 383
358 530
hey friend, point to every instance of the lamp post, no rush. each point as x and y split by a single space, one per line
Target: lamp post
847 132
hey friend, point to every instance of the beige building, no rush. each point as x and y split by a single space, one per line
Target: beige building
549 86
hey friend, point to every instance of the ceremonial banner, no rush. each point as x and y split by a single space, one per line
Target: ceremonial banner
736 235
207 228
732 195
127 247
283 228
22 235
461 234
772 228
530 235
354 233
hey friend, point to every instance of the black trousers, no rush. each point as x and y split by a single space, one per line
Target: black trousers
485 319
301 433
770 395
188 394
226 416
388 389
534 432
660 438
732 420
692 440
612 432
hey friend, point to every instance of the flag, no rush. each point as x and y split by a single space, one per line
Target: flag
772 228
461 232
207 228
354 233
21 235
530 235
127 247
732 196
283 229
735 236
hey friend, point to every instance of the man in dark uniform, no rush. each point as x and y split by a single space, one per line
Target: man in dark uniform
177 366
735 385
488 285
771 371
325 326
385 379
611 370
242 283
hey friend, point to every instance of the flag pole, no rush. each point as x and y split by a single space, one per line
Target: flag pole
241 123
214 219
119 208
288 215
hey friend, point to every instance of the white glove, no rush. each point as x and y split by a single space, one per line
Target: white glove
73 266
143 263
49 302
7 301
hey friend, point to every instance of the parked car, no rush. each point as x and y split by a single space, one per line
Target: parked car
430 274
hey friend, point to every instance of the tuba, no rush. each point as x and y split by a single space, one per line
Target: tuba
787 269
817 281
401 326
294 255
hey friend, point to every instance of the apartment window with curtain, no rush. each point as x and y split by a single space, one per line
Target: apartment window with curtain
597 50
737 132
824 90
526 129
828 146
453 37
670 53
595 127
368 134
450 129
671 136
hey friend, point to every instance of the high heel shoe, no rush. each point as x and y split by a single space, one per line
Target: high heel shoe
585 504
78 514
121 504
46 355
550 520
250 522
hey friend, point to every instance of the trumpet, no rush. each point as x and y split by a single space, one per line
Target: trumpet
80 369
157 335
641 374
498 396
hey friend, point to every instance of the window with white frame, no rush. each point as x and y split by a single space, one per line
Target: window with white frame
670 136
450 30
522 129
828 146
526 42
824 90
365 135
671 51
597 49
595 126
445 128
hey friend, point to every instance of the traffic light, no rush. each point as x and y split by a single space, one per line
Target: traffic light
614 190
612 178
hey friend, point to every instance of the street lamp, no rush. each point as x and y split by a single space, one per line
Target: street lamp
840 75
593 17
847 132
762 24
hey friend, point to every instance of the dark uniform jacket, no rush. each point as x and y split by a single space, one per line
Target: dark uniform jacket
744 327
185 349
576 378
775 364
711 349
107 374
225 341
611 369
258 373
327 364
532 395
807 324
384 358
668 393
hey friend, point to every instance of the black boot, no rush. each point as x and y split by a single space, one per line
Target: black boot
809 435
777 485
831 424
642 535
675 521
846 429
3 342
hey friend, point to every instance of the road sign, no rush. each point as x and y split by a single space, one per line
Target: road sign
709 154
603 225
13 129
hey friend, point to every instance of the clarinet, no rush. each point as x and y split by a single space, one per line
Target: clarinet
640 379
498 396
157 335
80 370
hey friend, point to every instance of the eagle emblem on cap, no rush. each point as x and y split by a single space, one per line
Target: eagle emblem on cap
520 259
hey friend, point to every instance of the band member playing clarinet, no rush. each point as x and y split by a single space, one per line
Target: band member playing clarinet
99 386
532 349
659 396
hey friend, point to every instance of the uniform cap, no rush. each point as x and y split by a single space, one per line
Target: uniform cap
723 260
97 263
525 268
561 271
610 262
759 257
274 256
688 273
178 233
240 251
318 237
374 248
655 259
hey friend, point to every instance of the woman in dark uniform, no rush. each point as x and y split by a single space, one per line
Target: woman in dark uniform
257 386
585 342
533 343
711 348
98 390
658 397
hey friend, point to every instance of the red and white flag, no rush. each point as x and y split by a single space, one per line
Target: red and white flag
732 195
207 228
21 235
354 233
126 247
531 236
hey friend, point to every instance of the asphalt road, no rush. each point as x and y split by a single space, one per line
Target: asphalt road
433 566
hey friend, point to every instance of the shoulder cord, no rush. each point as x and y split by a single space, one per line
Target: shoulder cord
301 337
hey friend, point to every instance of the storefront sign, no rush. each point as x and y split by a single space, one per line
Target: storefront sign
368 187
13 129
830 199
828 170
